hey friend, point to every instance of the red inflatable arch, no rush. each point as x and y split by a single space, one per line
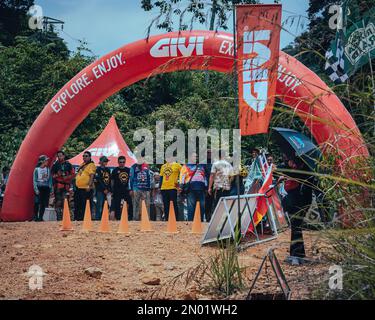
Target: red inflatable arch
324 114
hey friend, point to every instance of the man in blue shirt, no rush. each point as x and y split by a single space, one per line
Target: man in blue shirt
140 186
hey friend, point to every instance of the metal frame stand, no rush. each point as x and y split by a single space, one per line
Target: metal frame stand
230 212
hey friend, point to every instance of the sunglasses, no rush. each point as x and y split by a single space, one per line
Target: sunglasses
121 161
86 156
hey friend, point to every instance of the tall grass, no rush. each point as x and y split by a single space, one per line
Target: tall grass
224 270
351 233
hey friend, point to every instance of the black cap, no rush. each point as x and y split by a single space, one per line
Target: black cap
103 159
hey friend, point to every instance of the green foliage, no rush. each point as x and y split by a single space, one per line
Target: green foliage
31 73
10 143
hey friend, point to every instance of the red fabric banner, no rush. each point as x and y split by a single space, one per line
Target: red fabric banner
258 42
262 204
278 209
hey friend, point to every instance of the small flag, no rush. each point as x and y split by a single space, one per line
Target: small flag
335 63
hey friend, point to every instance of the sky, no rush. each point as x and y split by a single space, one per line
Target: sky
109 24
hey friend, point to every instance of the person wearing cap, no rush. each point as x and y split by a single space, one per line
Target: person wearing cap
140 185
84 185
62 174
120 188
42 182
102 185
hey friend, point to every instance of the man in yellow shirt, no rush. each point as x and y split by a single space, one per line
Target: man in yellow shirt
84 185
169 174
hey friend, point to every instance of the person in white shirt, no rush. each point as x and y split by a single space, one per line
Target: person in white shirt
220 178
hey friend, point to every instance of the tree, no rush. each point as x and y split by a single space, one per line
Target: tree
201 11
30 75
13 19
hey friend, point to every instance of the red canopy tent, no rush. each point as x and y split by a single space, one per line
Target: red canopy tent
111 144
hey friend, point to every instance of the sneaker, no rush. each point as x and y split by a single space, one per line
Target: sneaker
294 261
305 261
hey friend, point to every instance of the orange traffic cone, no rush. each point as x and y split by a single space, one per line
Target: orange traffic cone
197 223
87 223
124 225
145 222
172 225
66 222
104 223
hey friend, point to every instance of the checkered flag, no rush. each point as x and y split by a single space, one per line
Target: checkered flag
335 63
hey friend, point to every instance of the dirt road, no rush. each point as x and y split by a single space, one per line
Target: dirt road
127 262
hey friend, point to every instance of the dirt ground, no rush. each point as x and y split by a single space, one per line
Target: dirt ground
127 260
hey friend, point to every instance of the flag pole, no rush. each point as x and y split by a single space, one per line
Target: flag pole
238 226
372 75
373 87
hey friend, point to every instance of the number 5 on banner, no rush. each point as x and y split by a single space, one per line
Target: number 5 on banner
255 76
258 36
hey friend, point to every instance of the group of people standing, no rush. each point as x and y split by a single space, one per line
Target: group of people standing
194 182
175 184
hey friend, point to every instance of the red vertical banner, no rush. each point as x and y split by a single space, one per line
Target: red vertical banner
258 43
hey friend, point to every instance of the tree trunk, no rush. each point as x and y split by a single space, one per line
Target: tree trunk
213 14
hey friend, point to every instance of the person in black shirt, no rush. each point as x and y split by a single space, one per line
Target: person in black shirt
296 204
63 175
209 198
102 186
120 189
